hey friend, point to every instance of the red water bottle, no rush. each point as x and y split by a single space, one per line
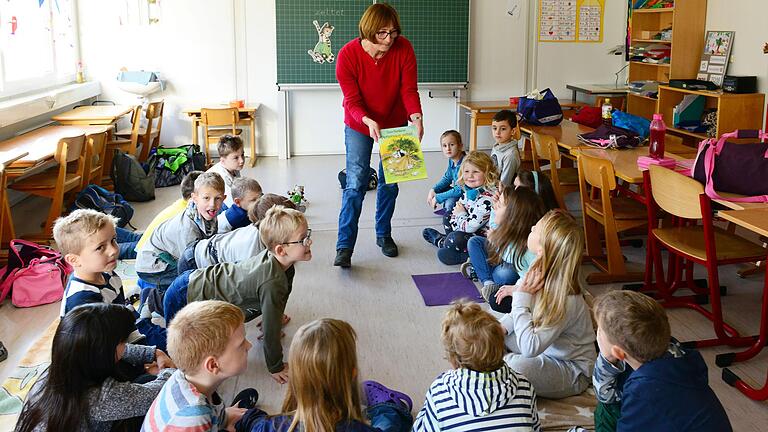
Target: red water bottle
658 130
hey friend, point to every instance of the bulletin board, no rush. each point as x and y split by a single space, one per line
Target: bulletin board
571 20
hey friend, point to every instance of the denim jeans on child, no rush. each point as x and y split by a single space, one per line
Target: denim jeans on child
126 241
500 274
449 204
176 296
358 152
187 260
388 417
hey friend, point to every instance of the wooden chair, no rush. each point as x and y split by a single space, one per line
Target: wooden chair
216 123
600 206
55 182
95 155
689 242
7 232
126 140
148 136
564 180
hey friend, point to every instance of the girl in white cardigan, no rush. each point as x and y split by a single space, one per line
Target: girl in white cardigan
549 330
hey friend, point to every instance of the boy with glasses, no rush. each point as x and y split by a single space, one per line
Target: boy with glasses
262 283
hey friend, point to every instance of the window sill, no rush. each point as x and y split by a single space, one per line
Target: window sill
20 108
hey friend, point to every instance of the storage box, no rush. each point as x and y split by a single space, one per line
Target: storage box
646 34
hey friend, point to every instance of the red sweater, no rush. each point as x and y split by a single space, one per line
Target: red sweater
385 90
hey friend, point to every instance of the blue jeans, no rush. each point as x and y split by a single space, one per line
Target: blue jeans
500 274
388 417
358 152
449 203
176 296
187 260
126 241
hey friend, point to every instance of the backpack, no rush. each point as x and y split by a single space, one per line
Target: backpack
130 179
172 164
542 109
373 179
97 198
35 275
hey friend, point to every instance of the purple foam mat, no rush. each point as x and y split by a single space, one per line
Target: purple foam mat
442 288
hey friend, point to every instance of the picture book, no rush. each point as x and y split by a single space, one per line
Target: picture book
401 155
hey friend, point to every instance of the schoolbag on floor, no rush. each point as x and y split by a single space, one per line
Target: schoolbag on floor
373 179
35 275
97 198
171 164
130 179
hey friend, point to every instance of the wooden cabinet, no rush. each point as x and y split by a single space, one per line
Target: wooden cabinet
734 111
687 20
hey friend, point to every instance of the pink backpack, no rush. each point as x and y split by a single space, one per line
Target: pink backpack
35 275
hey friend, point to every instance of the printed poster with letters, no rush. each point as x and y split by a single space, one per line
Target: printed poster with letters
571 20
716 55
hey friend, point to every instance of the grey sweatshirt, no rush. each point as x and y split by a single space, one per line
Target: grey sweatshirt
233 246
506 156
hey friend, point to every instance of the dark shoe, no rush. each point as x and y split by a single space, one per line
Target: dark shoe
468 270
433 236
3 352
246 399
343 258
251 314
387 245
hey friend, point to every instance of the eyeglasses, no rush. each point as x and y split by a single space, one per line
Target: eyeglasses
381 35
306 241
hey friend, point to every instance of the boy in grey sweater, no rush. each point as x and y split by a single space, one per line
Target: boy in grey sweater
263 282
156 260
505 153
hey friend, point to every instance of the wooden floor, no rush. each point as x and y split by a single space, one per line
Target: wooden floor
398 337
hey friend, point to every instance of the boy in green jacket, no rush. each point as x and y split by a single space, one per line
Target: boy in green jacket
262 283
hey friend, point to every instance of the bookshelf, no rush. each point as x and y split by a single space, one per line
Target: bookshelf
687 19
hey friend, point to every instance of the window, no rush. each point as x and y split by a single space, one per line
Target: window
38 45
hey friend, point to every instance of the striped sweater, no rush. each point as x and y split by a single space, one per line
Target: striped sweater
180 407
465 400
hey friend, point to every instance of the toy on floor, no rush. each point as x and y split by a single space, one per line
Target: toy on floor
297 196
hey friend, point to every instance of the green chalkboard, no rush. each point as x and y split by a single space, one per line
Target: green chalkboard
438 30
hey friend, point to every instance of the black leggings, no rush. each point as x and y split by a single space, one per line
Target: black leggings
454 250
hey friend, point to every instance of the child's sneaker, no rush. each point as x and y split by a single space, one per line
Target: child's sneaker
247 399
433 236
468 270
376 393
488 290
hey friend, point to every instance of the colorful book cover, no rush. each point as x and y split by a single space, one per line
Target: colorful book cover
401 155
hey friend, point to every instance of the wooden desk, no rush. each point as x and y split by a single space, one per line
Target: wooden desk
40 145
566 133
247 117
481 114
93 115
739 205
755 220
596 90
624 161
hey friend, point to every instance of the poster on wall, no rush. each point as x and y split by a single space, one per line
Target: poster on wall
571 20
716 55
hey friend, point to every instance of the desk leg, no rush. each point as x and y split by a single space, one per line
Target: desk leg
195 125
473 132
253 140
7 233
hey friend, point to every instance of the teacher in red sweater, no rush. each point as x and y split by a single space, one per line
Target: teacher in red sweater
377 75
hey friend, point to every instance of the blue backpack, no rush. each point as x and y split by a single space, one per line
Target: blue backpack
99 199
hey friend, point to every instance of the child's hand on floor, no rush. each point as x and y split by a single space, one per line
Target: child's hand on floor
163 361
532 282
234 414
282 376
504 291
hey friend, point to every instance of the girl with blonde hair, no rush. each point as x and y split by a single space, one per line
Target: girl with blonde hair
470 215
549 329
323 394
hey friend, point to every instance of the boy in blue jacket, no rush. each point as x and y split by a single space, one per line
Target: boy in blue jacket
447 191
643 381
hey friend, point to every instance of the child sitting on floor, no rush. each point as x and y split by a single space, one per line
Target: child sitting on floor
157 259
481 392
86 239
207 341
262 283
323 391
549 329
503 258
505 153
187 187
470 214
231 162
642 380
234 246
448 190
80 390
540 183
245 191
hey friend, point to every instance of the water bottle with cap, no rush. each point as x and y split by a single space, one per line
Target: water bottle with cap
658 131
607 110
